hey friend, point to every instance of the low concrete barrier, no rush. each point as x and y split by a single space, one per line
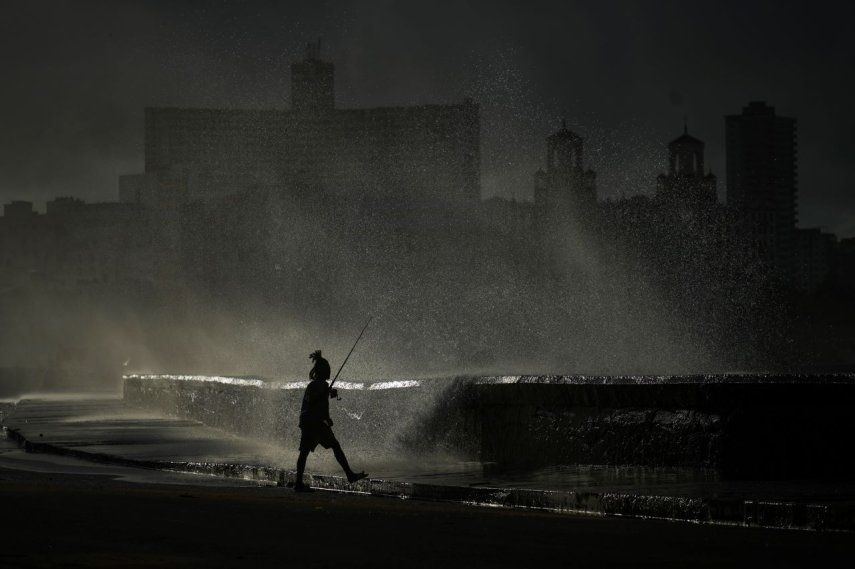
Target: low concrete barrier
743 426
373 417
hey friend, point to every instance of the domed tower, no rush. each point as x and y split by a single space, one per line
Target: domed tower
312 82
564 150
686 155
565 186
685 185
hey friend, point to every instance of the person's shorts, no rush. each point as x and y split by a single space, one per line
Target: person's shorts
315 435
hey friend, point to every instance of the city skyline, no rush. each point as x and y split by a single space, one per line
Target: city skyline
578 273
626 131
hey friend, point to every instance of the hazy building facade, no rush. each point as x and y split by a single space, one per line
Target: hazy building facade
762 181
507 217
422 156
312 82
24 239
77 243
814 262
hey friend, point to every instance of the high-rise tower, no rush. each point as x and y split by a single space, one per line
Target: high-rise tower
762 181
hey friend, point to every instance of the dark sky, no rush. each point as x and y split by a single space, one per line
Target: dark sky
76 76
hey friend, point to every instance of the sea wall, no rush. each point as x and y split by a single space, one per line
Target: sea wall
376 417
744 426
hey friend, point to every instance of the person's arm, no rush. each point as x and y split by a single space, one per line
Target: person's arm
333 392
327 396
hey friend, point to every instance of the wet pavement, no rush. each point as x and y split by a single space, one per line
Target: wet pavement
54 520
108 431
107 427
14 458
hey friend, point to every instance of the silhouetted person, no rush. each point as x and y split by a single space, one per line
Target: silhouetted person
315 422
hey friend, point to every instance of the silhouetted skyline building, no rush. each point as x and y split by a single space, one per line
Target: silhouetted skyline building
202 211
565 187
507 217
312 82
76 243
815 257
23 239
686 187
762 181
18 210
424 156
843 272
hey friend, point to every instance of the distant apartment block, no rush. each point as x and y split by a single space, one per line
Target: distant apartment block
762 181
815 258
422 155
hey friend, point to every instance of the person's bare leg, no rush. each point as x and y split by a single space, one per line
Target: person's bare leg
342 460
301 468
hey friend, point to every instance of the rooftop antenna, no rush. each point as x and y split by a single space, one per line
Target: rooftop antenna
685 125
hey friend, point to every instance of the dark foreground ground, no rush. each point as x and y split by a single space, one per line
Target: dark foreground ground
52 519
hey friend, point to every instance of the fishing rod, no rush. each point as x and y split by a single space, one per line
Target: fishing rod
351 351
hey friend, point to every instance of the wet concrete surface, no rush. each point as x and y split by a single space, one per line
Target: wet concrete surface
54 520
112 432
14 458
108 426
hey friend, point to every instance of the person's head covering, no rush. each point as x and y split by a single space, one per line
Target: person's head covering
315 355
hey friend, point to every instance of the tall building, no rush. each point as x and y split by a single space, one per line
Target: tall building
76 243
313 82
22 239
762 181
685 187
417 156
565 188
815 250
18 210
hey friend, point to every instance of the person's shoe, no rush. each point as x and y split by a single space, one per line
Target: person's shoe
355 476
302 488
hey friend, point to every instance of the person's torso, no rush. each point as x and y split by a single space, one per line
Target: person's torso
316 405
